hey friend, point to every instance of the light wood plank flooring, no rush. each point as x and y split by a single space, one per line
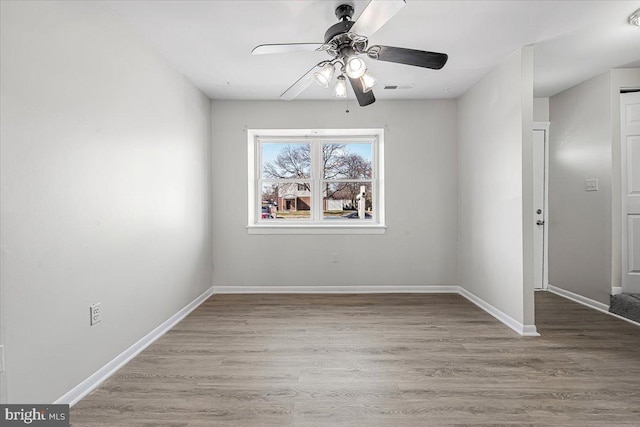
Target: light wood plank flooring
375 360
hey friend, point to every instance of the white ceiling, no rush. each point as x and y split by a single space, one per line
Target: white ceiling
210 42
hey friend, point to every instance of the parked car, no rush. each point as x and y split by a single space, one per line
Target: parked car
355 215
267 213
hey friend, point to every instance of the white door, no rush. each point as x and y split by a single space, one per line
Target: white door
630 149
538 207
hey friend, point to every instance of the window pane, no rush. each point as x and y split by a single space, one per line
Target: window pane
285 160
289 200
340 200
347 161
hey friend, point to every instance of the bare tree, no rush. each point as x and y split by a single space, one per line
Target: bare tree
356 167
348 166
270 194
332 160
293 161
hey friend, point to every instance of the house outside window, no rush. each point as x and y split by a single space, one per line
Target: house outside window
322 181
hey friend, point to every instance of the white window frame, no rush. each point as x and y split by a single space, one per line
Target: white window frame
316 225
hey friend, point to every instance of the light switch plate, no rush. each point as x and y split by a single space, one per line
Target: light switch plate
590 185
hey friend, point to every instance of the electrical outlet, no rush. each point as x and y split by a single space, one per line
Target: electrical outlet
95 312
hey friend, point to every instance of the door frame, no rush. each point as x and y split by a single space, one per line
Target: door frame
544 126
624 244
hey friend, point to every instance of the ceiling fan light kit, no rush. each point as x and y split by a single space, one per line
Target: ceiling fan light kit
324 76
368 81
634 18
340 89
355 67
344 42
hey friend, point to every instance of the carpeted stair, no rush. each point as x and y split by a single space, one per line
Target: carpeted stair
626 305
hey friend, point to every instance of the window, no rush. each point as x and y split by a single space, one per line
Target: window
316 181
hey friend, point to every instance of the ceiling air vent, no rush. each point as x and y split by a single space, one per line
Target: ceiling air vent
398 87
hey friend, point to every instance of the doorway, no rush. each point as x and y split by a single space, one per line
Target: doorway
630 168
540 216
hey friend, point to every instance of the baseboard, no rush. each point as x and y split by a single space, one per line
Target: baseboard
579 299
589 302
633 322
616 290
87 386
524 330
418 289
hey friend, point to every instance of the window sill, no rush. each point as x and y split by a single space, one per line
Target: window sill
316 229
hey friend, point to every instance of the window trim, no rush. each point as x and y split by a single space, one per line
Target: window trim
254 226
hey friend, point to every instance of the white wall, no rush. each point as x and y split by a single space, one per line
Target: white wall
584 227
540 109
419 247
579 221
104 189
494 163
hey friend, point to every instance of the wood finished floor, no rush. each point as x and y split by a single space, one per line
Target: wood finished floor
375 360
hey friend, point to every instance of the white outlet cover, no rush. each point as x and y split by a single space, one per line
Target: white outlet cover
95 314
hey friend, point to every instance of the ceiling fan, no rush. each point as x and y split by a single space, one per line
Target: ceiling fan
344 42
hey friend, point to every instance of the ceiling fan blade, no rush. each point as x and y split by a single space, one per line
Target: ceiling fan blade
375 15
364 98
400 55
265 49
300 85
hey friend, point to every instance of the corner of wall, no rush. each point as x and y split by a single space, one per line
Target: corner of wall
492 117
527 186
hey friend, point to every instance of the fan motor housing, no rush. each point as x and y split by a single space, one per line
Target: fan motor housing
336 29
344 12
